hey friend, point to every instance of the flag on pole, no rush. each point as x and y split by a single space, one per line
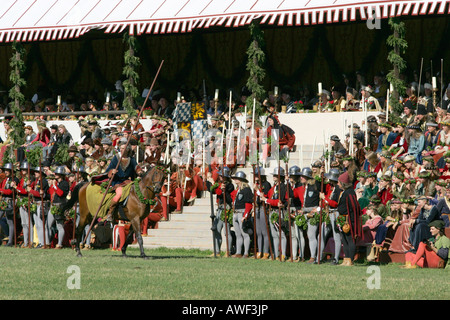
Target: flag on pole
183 112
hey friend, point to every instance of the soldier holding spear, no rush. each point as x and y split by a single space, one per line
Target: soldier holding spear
25 215
274 200
261 188
8 203
38 189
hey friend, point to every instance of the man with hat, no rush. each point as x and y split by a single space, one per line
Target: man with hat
370 102
308 195
58 190
357 132
108 150
23 203
261 188
432 252
331 198
348 206
338 99
431 137
419 226
276 199
420 117
6 191
297 236
351 103
94 128
386 137
153 152
242 206
408 112
39 191
223 185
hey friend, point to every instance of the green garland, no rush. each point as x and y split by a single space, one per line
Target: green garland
398 43
17 67
22 202
301 222
62 154
274 217
34 153
55 210
256 59
315 219
139 194
3 205
341 220
229 216
132 63
214 187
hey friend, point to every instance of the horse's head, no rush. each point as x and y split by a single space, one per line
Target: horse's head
154 179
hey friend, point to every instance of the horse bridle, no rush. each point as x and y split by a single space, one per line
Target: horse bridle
158 184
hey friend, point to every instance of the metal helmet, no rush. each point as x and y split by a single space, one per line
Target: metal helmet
277 170
240 175
294 171
8 166
307 173
226 172
333 175
37 169
60 170
24 165
260 171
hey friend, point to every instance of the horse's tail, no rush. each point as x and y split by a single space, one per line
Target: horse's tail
74 197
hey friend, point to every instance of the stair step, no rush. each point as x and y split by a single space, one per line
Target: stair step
180 225
180 233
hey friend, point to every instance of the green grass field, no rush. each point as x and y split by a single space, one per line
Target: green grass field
36 274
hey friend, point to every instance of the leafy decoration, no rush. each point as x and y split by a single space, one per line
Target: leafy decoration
132 62
398 43
139 194
17 98
255 62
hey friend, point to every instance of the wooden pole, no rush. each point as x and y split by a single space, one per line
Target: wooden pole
279 208
442 80
254 214
14 206
44 245
420 81
320 221
288 187
76 207
29 211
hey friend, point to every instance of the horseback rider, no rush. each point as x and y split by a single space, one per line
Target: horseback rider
126 171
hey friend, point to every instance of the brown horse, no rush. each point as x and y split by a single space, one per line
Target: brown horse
135 211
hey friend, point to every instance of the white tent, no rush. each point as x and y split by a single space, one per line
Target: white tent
41 20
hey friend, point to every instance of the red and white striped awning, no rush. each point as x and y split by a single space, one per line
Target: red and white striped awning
40 20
